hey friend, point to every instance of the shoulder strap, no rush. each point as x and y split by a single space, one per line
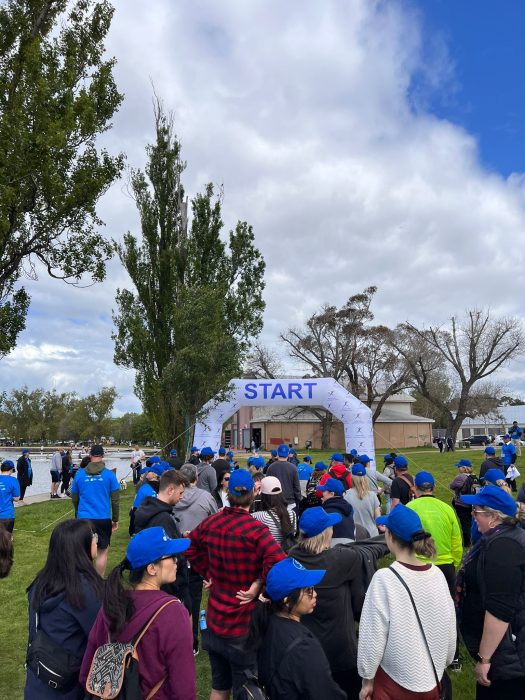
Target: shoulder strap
438 682
407 482
150 621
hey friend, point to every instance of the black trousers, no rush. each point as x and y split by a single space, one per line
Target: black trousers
23 487
449 571
465 521
502 690
135 472
195 585
349 682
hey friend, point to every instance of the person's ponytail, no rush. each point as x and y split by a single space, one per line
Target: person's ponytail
118 605
425 547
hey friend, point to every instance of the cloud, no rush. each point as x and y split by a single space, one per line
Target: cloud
314 117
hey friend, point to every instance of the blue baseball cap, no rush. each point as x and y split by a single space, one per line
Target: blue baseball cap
274 453
404 523
155 468
8 463
463 463
493 475
250 460
165 466
354 453
364 459
320 466
358 470
292 452
307 458
401 462
207 452
506 436
337 457
258 462
173 452
155 459
315 520
222 450
489 450
288 575
241 482
332 485
387 457
152 544
283 451
492 497
25 451
194 449
229 454
424 478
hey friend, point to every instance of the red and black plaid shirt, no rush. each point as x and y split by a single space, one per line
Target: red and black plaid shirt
233 550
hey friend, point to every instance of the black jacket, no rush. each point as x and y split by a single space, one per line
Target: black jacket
491 463
22 471
346 528
340 596
303 672
175 462
220 465
155 513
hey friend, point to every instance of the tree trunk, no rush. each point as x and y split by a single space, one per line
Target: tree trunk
326 428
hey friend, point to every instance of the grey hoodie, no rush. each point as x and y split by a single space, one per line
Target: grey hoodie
206 477
195 505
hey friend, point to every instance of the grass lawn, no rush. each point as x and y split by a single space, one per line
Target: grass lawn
34 524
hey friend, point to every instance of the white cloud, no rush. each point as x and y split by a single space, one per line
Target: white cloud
313 117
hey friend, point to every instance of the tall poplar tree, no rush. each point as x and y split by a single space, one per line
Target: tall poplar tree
197 300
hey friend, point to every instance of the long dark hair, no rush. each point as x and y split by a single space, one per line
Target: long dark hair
68 564
262 614
276 502
118 604
6 552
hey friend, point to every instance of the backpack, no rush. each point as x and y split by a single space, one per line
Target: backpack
342 479
470 486
114 671
288 541
411 487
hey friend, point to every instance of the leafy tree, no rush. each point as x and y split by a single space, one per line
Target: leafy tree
57 94
465 353
197 300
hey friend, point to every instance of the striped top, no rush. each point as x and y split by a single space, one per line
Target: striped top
273 524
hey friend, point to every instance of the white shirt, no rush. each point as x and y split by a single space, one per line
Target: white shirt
137 456
389 634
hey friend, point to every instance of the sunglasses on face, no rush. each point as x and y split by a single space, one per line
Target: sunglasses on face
309 591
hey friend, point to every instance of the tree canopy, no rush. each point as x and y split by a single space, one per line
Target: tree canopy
57 94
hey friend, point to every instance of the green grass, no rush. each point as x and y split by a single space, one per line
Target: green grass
34 524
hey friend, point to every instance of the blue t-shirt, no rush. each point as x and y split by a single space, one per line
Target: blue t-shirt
9 489
144 491
507 452
305 471
94 493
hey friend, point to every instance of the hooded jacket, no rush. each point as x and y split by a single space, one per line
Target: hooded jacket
346 528
165 652
206 477
491 463
155 513
340 596
195 505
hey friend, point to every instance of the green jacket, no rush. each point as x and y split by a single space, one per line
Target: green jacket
439 519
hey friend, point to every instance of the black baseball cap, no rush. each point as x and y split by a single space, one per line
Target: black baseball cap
96 451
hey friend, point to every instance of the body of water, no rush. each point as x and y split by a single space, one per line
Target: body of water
41 462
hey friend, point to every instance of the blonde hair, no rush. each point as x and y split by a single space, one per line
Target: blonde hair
504 486
317 544
361 486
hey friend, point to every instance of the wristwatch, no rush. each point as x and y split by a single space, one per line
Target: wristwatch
483 659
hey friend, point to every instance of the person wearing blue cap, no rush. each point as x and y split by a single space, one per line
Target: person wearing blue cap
465 483
194 456
332 501
276 631
491 461
392 656
24 472
271 459
206 474
221 464
516 433
233 552
509 456
490 598
174 460
286 472
304 470
337 470
363 501
402 488
349 570
9 492
165 655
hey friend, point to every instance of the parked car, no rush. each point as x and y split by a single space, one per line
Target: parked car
480 440
498 440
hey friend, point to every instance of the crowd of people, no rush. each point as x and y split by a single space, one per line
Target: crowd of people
297 607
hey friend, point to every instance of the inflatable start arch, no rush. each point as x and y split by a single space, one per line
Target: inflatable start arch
326 393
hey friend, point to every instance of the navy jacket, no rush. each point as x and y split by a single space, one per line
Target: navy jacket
346 528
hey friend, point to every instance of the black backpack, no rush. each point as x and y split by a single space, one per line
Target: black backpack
471 485
114 671
342 479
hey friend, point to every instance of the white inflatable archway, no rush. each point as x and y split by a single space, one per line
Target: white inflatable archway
353 413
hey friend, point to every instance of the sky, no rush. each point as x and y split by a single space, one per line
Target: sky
367 142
